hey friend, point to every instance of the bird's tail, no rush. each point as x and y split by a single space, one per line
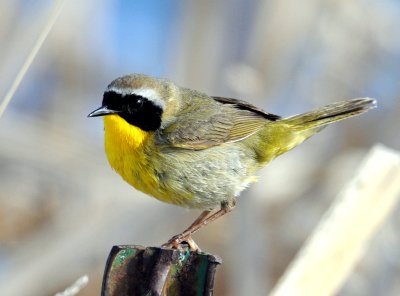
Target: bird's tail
319 118
286 133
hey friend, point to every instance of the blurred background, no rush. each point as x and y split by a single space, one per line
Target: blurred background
62 207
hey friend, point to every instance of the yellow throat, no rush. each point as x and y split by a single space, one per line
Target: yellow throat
125 147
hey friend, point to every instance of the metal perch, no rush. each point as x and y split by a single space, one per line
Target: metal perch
138 270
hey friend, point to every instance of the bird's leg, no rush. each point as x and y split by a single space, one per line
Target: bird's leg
175 241
204 219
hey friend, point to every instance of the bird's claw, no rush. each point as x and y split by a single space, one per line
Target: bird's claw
178 242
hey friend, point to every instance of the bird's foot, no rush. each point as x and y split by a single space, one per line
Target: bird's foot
179 241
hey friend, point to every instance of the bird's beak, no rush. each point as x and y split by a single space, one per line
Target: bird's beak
102 111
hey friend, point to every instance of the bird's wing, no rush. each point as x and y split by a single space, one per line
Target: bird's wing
213 122
243 105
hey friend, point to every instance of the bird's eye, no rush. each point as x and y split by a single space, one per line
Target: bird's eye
134 104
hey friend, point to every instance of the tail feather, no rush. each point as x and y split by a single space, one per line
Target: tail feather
321 117
285 134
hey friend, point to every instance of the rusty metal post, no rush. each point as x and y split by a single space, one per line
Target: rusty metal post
137 270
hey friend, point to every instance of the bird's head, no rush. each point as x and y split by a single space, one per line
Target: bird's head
139 99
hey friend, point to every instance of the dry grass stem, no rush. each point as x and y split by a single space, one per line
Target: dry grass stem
28 62
76 287
340 239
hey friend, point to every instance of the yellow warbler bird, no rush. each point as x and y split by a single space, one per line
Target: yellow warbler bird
186 148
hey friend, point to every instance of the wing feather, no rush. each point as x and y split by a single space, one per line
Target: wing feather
215 121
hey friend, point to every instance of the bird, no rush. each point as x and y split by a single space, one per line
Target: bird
189 149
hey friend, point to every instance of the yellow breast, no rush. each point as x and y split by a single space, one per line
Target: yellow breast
126 147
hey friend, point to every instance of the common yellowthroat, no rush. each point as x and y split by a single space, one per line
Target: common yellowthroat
186 148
